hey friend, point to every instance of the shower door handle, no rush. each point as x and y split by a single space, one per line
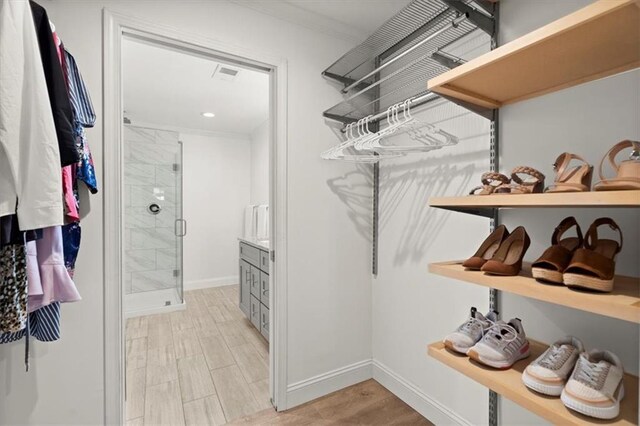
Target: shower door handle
183 227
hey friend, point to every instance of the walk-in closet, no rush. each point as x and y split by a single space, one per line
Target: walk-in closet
372 212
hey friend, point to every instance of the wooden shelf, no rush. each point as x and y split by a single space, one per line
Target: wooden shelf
597 41
623 303
545 200
509 384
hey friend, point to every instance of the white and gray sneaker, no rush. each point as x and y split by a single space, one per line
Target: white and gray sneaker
550 371
502 345
595 388
470 332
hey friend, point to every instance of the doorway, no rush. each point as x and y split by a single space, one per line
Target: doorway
187 347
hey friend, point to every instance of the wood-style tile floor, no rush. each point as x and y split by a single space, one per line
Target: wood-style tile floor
206 365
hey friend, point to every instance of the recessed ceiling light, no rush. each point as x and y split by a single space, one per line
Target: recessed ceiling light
208 114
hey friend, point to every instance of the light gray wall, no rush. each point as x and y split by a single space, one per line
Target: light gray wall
260 164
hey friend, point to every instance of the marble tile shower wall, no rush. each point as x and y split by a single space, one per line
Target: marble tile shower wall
149 177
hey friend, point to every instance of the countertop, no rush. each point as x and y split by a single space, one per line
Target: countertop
259 244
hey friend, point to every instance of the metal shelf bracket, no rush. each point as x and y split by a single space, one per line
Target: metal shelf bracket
482 21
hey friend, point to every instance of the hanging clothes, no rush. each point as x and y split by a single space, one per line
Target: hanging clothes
13 288
10 232
30 178
44 325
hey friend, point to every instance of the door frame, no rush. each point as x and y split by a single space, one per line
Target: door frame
115 26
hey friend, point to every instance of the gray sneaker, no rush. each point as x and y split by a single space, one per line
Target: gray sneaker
470 332
502 345
550 371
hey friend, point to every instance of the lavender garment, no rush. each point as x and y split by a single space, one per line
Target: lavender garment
55 283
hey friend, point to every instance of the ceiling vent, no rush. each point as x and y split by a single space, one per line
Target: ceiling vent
225 73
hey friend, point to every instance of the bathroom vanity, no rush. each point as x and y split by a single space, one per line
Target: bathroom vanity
254 283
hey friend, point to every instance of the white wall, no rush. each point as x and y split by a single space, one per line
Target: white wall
260 164
328 267
216 183
412 308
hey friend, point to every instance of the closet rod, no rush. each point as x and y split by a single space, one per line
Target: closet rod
453 24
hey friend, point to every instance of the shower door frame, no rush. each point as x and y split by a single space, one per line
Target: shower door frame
115 26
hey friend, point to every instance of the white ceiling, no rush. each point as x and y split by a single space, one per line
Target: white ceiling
170 88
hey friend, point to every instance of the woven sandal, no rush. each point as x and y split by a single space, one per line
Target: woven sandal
593 267
487 249
574 179
521 186
627 172
550 266
490 181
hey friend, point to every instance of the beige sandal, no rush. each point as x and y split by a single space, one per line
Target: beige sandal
627 172
574 179
521 186
490 181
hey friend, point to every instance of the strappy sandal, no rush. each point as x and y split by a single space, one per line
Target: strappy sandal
490 181
523 186
627 172
550 266
593 267
574 179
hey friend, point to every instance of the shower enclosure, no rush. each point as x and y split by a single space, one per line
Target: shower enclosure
154 227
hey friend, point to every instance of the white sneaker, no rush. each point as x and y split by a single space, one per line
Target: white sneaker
502 345
550 371
595 388
469 333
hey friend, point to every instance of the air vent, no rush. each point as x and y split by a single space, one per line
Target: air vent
225 73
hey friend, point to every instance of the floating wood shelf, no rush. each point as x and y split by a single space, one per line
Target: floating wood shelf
597 41
623 303
509 384
570 199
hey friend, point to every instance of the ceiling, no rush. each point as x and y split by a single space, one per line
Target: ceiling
170 88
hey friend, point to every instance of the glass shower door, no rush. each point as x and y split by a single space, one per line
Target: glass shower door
153 219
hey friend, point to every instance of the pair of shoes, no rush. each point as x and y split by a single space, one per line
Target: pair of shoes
577 262
578 178
501 253
587 382
490 341
497 183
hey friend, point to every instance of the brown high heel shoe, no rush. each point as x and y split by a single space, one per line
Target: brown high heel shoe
550 266
508 259
487 249
574 179
593 267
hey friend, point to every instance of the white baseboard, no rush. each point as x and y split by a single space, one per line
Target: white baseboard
210 282
431 409
323 384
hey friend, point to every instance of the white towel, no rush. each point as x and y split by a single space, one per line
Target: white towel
250 221
263 222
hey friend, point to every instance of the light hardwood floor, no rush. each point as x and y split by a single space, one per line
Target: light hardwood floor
203 366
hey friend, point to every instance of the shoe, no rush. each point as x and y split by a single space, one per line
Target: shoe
508 259
502 345
487 249
522 186
490 181
627 172
574 179
595 388
470 333
550 371
550 266
593 267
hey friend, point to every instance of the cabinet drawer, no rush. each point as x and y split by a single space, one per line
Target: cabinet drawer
255 282
264 321
250 254
255 312
245 287
264 261
264 289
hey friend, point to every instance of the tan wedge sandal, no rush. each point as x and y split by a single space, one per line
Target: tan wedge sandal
508 259
550 266
490 181
487 249
533 183
627 172
574 179
593 267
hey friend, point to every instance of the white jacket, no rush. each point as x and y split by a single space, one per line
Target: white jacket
29 157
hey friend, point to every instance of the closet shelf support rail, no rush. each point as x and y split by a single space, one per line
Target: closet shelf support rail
453 24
